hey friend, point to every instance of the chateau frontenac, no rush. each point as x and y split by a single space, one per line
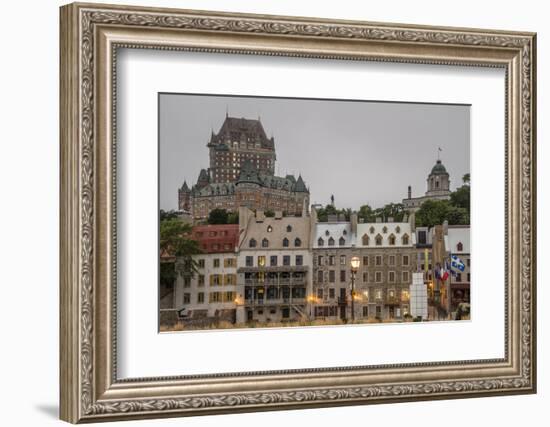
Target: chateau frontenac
242 173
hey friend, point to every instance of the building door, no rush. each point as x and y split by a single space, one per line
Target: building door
249 316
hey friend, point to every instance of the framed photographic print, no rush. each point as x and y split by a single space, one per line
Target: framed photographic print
265 212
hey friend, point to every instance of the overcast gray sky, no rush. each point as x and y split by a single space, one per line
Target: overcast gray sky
362 152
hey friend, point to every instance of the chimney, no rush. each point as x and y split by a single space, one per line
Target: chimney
390 219
409 192
445 227
260 216
412 221
378 220
353 220
278 214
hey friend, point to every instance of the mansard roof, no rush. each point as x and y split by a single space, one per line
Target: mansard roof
300 185
241 129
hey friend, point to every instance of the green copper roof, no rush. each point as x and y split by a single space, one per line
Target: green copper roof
439 169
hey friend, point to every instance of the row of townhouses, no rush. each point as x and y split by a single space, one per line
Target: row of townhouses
289 268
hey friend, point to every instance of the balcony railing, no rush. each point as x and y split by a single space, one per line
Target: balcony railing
273 301
296 281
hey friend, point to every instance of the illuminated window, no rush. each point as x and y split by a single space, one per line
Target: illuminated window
261 261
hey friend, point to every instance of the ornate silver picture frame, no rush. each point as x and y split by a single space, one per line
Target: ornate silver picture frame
91 390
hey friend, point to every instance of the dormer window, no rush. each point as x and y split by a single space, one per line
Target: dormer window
344 232
269 228
297 242
331 242
378 240
398 229
384 229
327 233
285 242
342 241
265 243
288 228
405 239
391 240
320 242
459 247
371 230
365 240
252 243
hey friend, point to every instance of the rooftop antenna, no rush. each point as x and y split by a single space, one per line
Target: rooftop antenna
439 150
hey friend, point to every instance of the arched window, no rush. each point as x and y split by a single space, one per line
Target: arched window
398 229
252 243
342 241
384 229
378 240
320 242
269 228
265 243
459 247
288 228
327 233
405 239
365 239
371 230
297 242
344 232
391 239
285 242
331 242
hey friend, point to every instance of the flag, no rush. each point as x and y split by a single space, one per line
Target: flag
444 272
456 263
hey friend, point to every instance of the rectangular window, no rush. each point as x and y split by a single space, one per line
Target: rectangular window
331 260
186 298
391 276
201 280
187 282
229 262
214 297
216 262
342 260
249 261
468 276
422 237
468 262
342 275
331 276
405 277
320 293
200 298
378 260
366 277
273 260
228 296
378 276
391 260
458 277
215 280
319 276
261 261
366 311
405 260
331 293
230 279
378 294
201 263
299 260
286 259
366 260
320 260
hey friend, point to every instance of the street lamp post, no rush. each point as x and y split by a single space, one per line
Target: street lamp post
354 267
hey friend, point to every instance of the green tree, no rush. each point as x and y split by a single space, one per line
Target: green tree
269 213
432 212
366 214
175 241
458 216
461 197
171 214
233 218
217 216
466 179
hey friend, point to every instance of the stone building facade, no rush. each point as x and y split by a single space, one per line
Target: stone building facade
438 186
241 172
457 242
274 267
208 296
